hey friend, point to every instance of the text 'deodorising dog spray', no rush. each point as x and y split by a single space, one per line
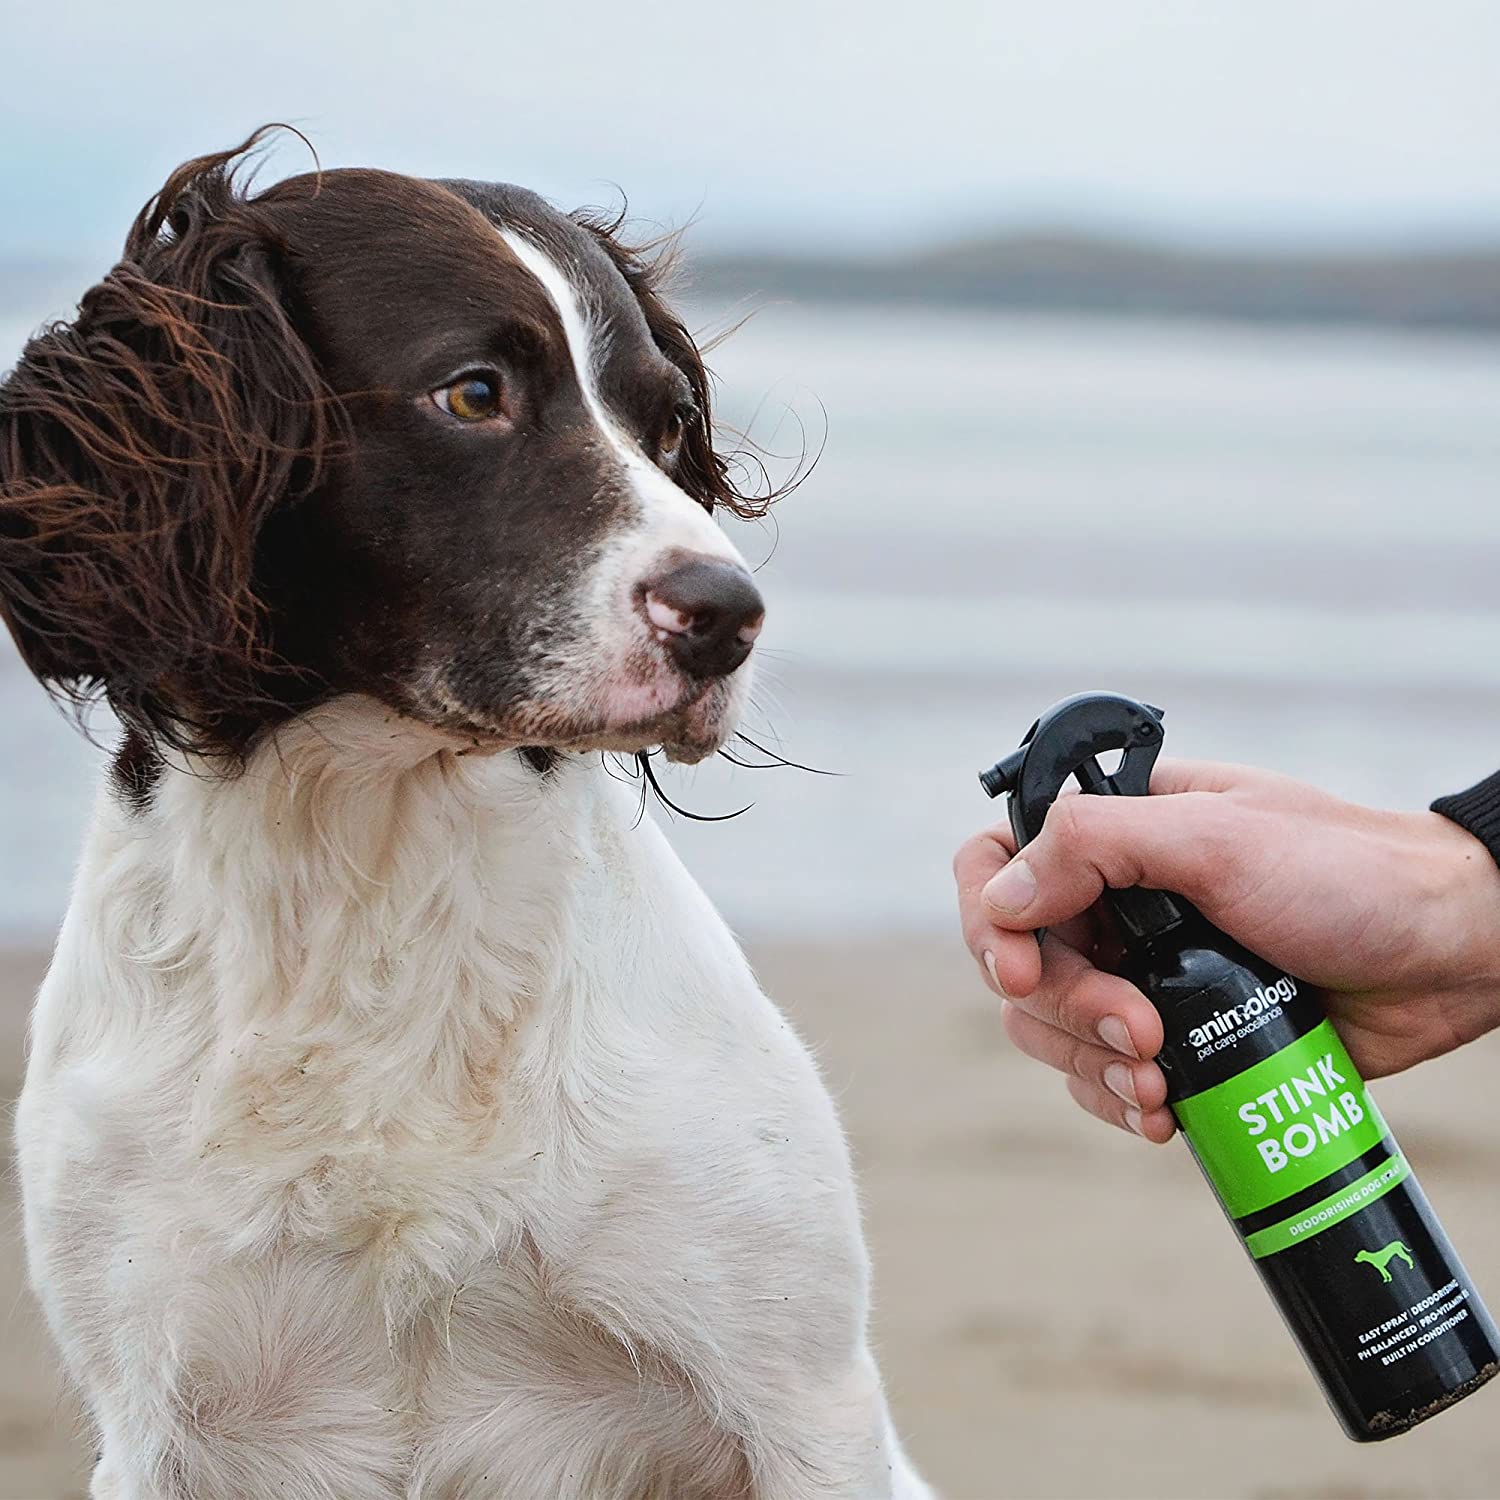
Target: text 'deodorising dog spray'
1279 1120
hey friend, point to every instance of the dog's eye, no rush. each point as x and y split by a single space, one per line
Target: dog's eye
473 398
670 439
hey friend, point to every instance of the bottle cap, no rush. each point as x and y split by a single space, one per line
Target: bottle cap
1067 741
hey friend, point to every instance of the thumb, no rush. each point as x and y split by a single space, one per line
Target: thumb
1184 842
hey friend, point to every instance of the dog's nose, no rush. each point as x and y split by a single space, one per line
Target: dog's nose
707 614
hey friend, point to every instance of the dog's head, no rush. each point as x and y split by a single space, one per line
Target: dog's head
430 441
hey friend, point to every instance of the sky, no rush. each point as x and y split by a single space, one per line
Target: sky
791 123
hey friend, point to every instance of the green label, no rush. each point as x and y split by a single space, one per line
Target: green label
1333 1209
1283 1124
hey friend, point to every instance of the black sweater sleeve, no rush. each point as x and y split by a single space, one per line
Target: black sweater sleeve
1477 810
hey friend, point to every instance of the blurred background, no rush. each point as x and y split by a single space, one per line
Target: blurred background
1153 346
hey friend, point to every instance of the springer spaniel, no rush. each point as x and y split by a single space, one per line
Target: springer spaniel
400 1119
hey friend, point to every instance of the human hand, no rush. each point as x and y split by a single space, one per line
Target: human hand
1396 916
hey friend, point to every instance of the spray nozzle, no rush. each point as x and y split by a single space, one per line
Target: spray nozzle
1067 741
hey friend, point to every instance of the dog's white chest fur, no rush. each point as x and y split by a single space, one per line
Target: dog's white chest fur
400 1125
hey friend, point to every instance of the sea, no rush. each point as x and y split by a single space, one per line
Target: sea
1287 537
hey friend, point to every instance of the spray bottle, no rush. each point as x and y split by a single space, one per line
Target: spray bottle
1278 1119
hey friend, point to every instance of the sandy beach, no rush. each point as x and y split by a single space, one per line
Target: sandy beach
1060 1311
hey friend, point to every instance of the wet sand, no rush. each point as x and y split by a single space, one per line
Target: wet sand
1060 1311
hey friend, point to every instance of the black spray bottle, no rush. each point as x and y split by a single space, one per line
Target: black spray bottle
1279 1120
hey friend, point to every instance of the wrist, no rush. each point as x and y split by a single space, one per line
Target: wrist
1476 810
1464 916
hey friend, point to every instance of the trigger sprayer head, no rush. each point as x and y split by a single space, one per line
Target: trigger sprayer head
1067 741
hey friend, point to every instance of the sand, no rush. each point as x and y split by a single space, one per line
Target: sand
1060 1310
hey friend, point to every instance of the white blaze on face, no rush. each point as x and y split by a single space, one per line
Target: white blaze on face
669 516
666 519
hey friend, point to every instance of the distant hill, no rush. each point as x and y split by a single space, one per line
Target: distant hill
1055 271
1078 273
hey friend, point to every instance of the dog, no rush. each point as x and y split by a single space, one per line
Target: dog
400 1118
1381 1259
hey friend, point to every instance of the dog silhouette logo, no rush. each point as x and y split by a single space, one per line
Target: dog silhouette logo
1381 1258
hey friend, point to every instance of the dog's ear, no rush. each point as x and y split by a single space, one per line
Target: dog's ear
702 470
142 447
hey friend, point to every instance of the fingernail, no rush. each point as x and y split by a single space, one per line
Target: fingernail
989 968
1120 1081
1133 1120
1013 889
1113 1032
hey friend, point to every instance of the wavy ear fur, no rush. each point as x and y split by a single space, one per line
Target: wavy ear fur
142 447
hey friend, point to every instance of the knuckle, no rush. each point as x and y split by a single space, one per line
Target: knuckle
1065 822
1073 1008
1078 1059
971 923
1045 1003
1227 832
976 859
